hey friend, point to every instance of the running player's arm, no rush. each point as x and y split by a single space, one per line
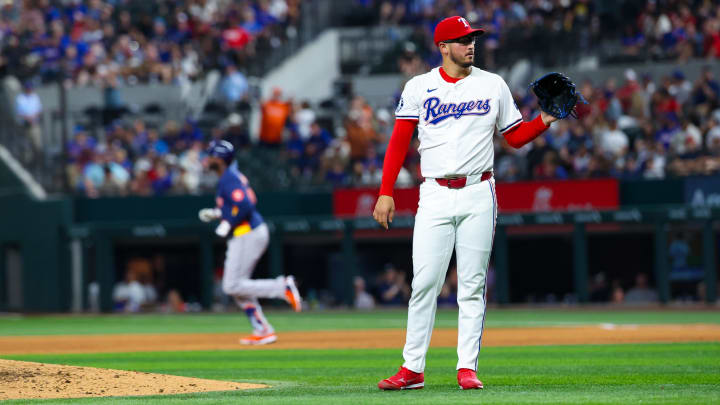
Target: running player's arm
510 123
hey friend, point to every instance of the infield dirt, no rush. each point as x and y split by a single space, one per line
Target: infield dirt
25 380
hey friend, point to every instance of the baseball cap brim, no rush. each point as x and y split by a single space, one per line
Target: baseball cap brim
473 31
446 33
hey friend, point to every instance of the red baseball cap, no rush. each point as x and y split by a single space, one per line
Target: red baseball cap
454 27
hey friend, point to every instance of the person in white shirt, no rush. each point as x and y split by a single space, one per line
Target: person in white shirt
614 142
363 299
304 117
687 140
457 109
28 108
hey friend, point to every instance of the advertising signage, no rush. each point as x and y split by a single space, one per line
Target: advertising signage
702 192
531 196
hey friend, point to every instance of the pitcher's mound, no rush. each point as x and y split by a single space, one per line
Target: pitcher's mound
24 380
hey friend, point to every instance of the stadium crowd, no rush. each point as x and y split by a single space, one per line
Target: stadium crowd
96 42
92 42
643 128
640 127
638 31
139 160
637 126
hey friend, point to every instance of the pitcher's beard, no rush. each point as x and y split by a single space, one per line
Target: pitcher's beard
463 63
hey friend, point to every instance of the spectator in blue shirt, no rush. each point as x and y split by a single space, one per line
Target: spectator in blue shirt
336 176
163 179
295 148
81 142
234 86
156 144
393 289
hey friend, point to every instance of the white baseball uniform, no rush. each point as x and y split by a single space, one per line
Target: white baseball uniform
456 123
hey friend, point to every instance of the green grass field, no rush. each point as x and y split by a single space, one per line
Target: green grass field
682 373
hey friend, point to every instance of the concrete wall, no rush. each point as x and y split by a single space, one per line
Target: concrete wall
379 90
310 73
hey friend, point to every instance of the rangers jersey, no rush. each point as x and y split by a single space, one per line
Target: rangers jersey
457 121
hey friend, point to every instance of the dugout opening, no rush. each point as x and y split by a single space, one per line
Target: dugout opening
615 260
169 267
537 273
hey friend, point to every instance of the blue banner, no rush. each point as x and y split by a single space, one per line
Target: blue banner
702 191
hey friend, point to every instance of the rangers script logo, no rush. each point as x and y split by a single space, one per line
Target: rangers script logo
436 111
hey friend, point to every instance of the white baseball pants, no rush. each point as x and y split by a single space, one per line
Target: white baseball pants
243 253
446 218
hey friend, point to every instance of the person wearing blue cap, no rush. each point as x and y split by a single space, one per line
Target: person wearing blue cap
680 87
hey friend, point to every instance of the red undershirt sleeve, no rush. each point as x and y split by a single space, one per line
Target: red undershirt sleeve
525 132
395 154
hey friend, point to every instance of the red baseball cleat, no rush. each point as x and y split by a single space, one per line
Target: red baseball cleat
403 380
467 379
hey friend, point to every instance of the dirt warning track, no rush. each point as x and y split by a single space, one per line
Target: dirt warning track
359 339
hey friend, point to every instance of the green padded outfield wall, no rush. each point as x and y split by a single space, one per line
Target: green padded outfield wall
638 193
270 204
38 229
9 183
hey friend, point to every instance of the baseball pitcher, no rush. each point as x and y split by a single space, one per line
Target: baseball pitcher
248 238
456 108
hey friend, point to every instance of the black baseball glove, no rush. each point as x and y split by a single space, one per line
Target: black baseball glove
557 95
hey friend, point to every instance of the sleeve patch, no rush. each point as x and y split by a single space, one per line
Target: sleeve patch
219 201
238 195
